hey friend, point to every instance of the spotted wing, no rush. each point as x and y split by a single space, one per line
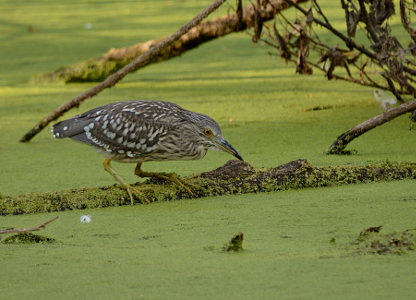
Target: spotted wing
131 127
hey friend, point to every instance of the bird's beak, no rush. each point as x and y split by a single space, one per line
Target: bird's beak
225 146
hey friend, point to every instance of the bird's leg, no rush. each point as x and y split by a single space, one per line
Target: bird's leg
172 177
109 169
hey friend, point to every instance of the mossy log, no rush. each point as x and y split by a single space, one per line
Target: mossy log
99 68
235 177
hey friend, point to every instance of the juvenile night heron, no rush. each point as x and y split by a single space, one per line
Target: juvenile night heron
137 131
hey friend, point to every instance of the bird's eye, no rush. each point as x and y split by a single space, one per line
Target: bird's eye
207 132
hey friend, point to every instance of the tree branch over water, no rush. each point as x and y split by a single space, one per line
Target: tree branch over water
99 68
393 60
26 230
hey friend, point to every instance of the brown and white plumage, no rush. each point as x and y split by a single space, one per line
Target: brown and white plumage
139 131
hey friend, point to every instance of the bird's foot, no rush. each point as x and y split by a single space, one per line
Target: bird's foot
139 194
172 177
130 190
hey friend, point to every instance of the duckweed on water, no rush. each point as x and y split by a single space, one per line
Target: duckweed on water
372 241
28 238
172 250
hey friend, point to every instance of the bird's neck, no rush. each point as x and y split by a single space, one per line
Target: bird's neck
200 152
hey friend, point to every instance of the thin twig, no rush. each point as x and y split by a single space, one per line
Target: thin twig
348 41
393 88
319 10
42 226
366 19
370 83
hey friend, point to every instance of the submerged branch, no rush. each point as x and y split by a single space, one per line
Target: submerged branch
235 177
25 230
99 68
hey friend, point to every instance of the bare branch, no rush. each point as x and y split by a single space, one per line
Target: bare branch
405 20
348 41
341 142
366 19
393 88
394 68
25 230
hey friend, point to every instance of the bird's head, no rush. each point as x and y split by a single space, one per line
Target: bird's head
207 133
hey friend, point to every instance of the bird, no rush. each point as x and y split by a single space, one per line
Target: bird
138 131
384 98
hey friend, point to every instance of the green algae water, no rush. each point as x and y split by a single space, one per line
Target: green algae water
297 244
175 250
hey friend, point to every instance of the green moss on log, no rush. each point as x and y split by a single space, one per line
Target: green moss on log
235 177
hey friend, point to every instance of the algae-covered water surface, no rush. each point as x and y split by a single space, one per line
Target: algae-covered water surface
297 244
309 243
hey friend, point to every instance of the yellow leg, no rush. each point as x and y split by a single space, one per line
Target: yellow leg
172 177
109 169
